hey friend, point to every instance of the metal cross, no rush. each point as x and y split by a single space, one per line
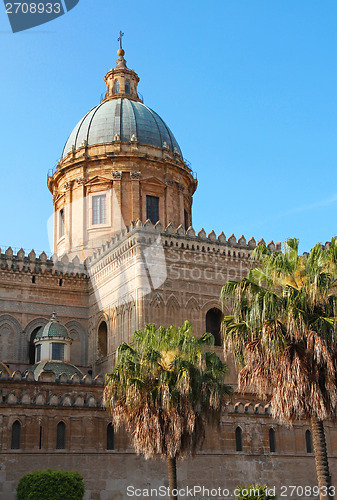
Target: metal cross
121 34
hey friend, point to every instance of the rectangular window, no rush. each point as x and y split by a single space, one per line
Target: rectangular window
61 232
38 354
99 209
152 209
57 351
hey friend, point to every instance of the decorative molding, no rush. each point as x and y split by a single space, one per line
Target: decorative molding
135 176
117 175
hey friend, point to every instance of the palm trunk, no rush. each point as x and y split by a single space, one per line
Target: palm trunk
172 475
321 459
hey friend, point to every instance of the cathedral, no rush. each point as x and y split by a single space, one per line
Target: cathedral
125 254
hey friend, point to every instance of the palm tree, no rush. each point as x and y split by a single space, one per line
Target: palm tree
282 332
164 389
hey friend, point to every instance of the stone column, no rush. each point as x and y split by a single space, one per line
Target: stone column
117 222
135 194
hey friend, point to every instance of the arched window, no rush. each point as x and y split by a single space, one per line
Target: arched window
61 227
127 87
110 445
116 87
61 436
16 435
102 340
31 348
272 447
213 324
238 439
308 441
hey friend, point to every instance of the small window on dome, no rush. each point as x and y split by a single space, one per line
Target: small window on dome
57 352
116 87
38 353
127 87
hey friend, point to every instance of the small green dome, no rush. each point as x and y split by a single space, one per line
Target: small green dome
57 367
53 329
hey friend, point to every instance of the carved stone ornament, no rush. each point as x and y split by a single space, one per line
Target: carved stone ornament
117 175
135 176
67 185
169 182
180 187
80 180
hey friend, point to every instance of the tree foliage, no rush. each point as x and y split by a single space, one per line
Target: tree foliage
255 492
165 387
283 329
51 485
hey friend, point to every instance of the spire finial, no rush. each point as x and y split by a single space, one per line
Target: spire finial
120 39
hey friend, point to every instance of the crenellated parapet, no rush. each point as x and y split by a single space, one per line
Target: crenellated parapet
49 390
178 237
32 264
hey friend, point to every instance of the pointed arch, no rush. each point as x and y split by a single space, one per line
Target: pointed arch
79 348
192 304
238 438
10 339
61 435
213 324
308 441
30 332
102 339
16 435
272 444
172 302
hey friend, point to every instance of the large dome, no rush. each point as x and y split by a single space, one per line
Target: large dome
126 119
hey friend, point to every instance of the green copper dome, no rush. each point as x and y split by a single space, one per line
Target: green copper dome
57 367
53 329
122 116
126 120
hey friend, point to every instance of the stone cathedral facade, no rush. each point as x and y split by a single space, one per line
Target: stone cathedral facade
125 254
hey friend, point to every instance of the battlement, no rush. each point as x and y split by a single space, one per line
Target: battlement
31 264
50 377
186 239
190 239
49 390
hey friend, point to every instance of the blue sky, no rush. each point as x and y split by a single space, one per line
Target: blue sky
249 89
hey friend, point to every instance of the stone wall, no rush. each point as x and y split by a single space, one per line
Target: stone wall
108 473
